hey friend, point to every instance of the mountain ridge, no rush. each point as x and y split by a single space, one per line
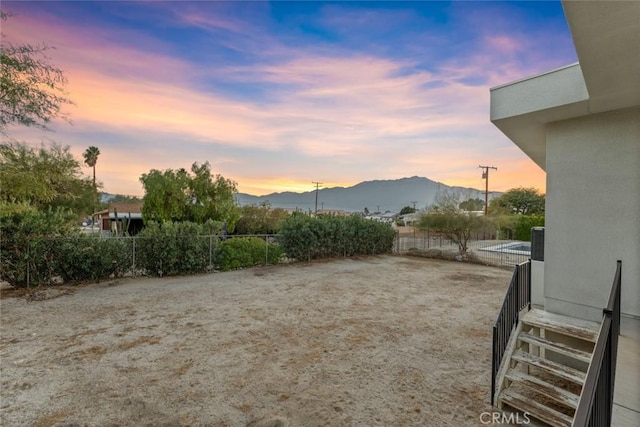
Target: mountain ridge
389 195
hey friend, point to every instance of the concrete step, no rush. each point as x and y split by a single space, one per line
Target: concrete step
557 369
569 326
557 347
542 387
535 409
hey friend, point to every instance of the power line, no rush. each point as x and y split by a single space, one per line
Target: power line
485 176
318 184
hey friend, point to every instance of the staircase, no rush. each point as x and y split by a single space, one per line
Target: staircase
545 365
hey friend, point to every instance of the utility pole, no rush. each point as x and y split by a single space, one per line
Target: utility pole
414 205
485 176
318 184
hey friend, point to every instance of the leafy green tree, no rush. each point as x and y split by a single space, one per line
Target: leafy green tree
182 196
31 88
446 217
471 205
260 219
43 177
123 198
165 197
521 201
407 210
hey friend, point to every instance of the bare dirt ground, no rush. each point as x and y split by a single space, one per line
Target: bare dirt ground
386 340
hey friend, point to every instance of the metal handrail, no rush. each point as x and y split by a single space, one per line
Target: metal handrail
595 407
518 296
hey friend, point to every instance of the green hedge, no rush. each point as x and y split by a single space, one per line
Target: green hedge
86 258
243 252
524 224
173 248
22 229
326 236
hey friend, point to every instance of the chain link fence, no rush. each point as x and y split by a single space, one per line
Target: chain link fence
483 246
57 260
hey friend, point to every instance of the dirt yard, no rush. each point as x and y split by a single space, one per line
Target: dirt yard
389 341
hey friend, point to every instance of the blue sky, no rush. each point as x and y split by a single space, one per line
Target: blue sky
277 95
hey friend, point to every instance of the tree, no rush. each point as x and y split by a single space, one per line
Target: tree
407 210
260 219
31 88
91 158
123 198
44 177
471 205
522 201
446 217
198 196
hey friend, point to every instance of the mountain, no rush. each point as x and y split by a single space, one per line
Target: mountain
382 196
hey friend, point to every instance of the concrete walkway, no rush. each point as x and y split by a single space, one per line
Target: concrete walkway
626 400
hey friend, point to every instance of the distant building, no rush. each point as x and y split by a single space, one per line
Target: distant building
120 219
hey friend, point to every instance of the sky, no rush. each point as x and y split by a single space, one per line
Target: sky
277 95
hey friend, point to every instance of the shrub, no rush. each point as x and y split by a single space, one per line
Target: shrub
90 257
305 238
524 224
173 248
243 252
22 228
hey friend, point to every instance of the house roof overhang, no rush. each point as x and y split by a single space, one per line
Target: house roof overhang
607 40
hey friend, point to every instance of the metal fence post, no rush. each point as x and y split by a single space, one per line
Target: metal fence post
210 251
28 259
266 249
133 264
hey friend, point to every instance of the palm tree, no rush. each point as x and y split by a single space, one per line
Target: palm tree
91 158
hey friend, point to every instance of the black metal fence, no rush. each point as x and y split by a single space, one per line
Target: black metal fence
518 297
595 407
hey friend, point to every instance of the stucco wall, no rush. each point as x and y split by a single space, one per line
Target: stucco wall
593 213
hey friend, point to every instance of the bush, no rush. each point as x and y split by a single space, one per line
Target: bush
22 228
306 238
174 248
524 224
89 257
243 252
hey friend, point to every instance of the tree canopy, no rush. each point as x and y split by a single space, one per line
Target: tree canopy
260 219
472 205
43 177
446 217
31 88
522 201
199 196
91 156
407 210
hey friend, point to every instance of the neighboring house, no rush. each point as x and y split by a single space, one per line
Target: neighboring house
120 218
581 124
387 217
